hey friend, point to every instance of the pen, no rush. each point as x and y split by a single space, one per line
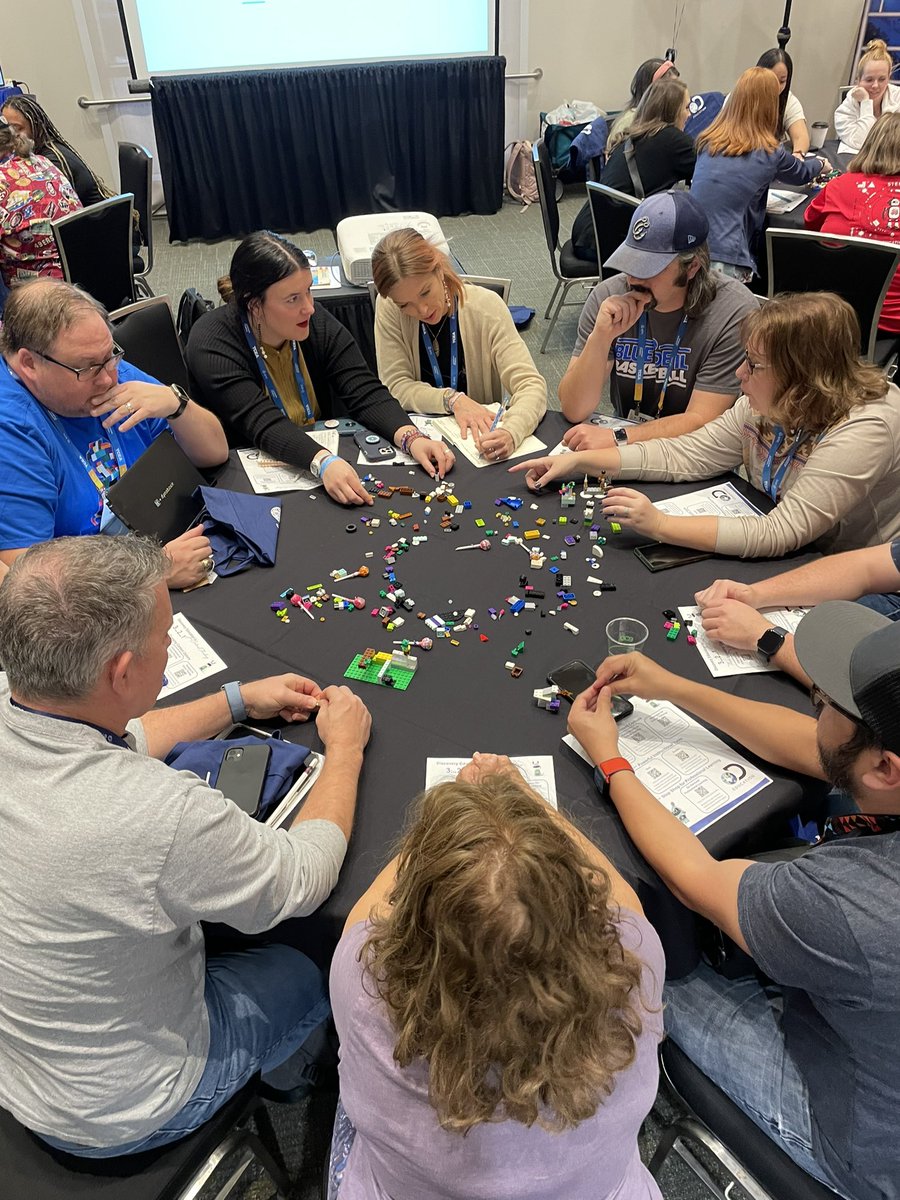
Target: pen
500 411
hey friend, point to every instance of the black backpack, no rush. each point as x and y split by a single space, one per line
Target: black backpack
191 308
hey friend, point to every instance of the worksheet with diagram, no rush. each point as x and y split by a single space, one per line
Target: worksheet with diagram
537 771
725 660
722 500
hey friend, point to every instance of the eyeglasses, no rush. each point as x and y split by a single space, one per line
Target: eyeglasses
753 367
92 370
820 699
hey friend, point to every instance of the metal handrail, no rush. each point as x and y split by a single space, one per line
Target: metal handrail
537 73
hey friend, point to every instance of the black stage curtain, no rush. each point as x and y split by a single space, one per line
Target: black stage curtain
301 149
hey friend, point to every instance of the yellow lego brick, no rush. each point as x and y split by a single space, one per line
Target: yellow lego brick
531 534
541 521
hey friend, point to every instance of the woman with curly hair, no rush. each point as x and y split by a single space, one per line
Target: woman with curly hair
497 992
29 119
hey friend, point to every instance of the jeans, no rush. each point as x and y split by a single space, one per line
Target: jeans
731 1030
263 1004
887 603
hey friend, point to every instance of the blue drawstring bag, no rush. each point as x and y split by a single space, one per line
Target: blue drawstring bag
204 758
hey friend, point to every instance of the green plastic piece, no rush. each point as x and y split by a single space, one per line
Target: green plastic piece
563 520
479 522
401 676
615 527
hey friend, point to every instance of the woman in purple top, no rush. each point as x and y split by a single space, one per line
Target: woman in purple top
497 992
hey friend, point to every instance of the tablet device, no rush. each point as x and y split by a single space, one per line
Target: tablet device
159 495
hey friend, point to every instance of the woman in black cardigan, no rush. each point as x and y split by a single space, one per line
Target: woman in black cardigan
268 364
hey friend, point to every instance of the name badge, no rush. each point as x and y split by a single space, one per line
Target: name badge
640 417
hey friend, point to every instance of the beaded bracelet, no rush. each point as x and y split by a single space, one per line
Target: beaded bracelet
450 398
408 438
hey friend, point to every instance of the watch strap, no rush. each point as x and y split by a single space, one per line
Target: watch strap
612 766
183 401
235 700
771 642
621 436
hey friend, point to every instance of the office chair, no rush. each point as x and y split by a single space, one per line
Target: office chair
611 213
136 176
146 332
95 249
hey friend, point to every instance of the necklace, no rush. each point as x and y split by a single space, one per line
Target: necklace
435 337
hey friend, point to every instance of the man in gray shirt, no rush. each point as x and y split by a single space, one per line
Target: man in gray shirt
117 1033
665 333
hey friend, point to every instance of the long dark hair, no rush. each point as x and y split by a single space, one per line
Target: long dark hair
770 59
262 258
46 137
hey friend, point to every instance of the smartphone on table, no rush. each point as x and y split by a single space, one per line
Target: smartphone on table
375 448
660 556
242 776
576 676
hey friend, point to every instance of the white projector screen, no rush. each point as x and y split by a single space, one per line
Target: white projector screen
169 37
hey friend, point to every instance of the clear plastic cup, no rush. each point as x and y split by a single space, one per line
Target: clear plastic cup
624 635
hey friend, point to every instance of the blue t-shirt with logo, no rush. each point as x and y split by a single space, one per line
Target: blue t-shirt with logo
45 491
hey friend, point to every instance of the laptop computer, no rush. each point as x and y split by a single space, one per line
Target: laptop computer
158 495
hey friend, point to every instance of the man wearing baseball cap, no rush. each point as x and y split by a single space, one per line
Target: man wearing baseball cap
813 1054
665 332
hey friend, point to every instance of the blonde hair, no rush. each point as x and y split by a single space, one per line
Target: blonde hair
880 152
500 962
811 342
660 105
404 253
874 51
749 119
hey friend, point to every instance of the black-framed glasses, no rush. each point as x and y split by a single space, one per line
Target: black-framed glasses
820 699
753 367
92 370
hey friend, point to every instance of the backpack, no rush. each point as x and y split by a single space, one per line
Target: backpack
191 307
520 181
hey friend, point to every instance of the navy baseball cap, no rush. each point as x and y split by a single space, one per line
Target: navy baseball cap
853 654
663 226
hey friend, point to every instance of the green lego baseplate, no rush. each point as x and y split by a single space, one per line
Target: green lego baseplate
401 676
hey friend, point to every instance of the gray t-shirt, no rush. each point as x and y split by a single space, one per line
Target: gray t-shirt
826 927
709 354
108 861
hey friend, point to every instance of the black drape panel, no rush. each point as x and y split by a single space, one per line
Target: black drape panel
301 149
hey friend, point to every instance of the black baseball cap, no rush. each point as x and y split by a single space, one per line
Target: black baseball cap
663 226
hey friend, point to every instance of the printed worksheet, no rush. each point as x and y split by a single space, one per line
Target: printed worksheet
190 658
268 475
602 420
687 768
536 769
783 202
723 500
724 660
450 430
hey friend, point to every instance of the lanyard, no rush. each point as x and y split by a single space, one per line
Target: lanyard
773 486
642 357
113 738
454 353
859 825
267 378
92 474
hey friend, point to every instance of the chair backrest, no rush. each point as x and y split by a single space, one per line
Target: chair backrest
95 249
611 213
543 172
136 176
500 286
859 270
146 332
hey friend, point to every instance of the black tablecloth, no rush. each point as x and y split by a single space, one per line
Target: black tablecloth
462 699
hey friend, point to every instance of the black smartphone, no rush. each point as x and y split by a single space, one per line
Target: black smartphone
243 774
659 556
575 676
375 448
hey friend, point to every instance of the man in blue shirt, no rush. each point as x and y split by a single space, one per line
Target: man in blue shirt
74 417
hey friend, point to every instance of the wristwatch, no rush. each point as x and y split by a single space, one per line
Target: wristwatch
235 700
183 401
605 771
771 642
621 436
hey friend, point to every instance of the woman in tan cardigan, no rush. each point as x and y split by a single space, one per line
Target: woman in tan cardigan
447 346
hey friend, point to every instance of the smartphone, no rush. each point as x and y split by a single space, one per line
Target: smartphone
243 774
375 448
659 556
344 425
576 675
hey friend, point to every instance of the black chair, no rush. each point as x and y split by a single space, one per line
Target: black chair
740 1147
95 250
31 1169
136 176
859 270
611 213
146 332
568 270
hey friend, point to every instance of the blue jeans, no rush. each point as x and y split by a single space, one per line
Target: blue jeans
731 1030
886 603
263 1003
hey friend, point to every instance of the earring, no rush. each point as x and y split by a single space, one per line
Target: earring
259 340
446 298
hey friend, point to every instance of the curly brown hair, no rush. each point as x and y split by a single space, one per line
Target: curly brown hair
811 343
500 962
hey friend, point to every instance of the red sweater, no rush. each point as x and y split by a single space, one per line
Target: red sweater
862 206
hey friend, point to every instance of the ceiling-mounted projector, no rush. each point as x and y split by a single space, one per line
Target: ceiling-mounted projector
357 237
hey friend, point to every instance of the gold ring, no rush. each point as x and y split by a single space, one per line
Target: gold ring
129 406
207 564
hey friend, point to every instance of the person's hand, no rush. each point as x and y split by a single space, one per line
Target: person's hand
592 723
726 589
859 94
344 722
191 558
618 313
634 675
735 624
483 765
542 471
632 510
342 483
589 437
497 445
433 456
472 417
291 697
128 403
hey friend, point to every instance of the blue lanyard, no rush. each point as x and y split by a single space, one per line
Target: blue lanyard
454 353
113 738
267 378
642 358
92 474
773 486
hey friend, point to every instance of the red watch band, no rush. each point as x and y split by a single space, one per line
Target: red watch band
612 766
